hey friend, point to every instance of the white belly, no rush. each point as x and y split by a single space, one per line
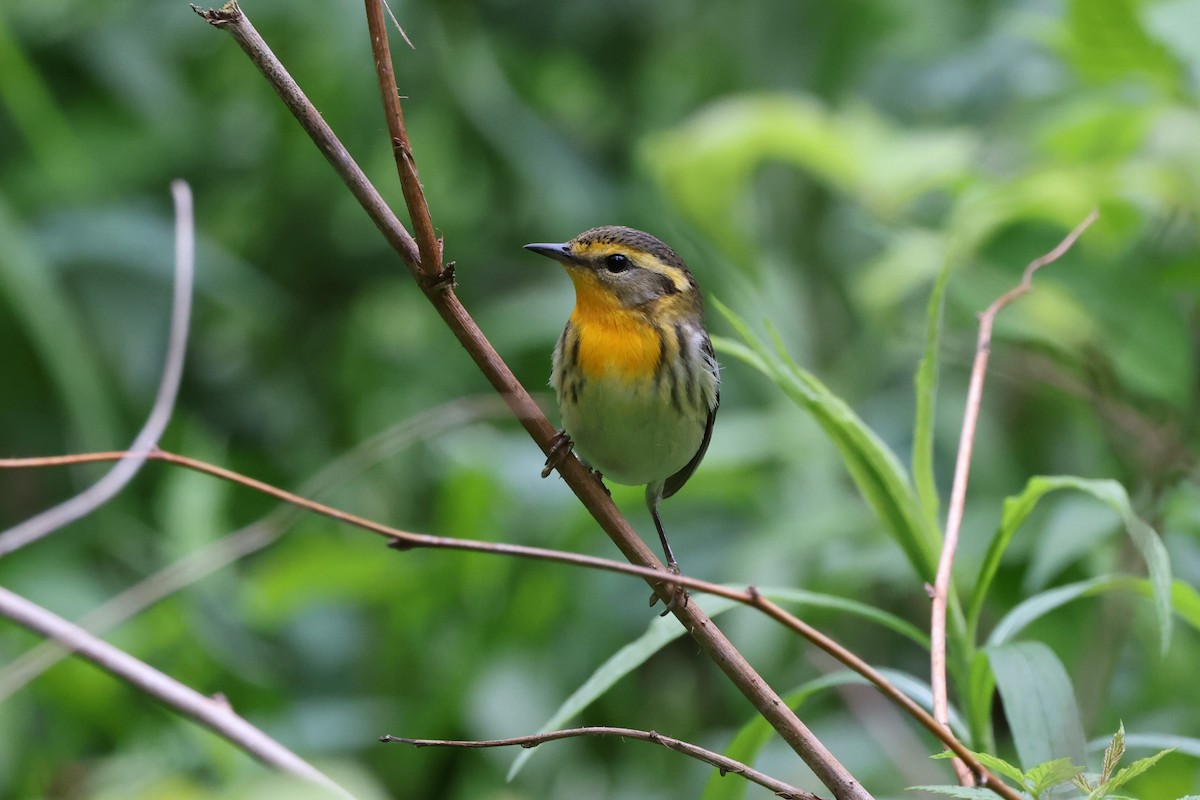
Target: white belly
630 432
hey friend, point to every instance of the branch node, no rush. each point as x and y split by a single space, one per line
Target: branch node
442 281
218 17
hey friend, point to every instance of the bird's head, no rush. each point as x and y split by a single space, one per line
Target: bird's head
623 268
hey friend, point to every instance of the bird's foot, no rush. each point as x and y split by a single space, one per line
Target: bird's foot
560 449
675 595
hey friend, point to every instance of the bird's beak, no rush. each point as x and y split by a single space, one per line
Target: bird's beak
559 251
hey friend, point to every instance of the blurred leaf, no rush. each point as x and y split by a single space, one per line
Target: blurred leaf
1018 508
876 471
1184 599
56 331
1050 774
707 163
1108 43
853 607
926 382
1039 702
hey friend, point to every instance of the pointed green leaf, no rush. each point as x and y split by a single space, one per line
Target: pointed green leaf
1112 754
1017 510
1049 774
877 473
1136 768
926 381
1185 600
1039 702
998 764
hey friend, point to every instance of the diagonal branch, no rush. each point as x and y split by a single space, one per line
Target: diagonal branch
405 540
723 763
440 293
962 468
212 713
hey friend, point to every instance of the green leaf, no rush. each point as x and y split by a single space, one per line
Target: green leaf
1185 600
1136 768
877 473
996 764
33 290
926 381
1039 702
1112 754
981 687
1107 42
821 600
1049 774
1017 510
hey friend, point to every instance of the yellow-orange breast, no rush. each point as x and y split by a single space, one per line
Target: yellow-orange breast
612 340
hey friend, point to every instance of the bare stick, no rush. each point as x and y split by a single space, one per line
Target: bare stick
440 293
216 715
123 471
717 760
962 468
404 540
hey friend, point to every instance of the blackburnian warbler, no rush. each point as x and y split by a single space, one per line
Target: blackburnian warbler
634 370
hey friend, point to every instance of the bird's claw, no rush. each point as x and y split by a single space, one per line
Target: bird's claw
560 448
673 591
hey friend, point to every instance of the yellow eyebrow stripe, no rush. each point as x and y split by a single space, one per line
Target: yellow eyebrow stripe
647 261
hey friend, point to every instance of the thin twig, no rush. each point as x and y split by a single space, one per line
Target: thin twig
962 468
406 165
114 480
249 539
723 763
215 715
590 492
404 540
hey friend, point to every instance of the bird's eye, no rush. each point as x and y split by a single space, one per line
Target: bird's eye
616 263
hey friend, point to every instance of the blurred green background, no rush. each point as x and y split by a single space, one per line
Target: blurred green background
816 164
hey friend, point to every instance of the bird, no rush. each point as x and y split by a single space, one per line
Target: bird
637 382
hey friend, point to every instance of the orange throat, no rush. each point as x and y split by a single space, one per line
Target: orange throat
613 340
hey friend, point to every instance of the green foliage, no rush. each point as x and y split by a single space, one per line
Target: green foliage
1047 779
856 181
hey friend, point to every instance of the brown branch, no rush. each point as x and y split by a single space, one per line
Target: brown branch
723 763
962 467
414 196
440 293
404 540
